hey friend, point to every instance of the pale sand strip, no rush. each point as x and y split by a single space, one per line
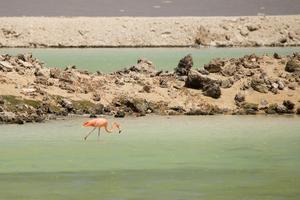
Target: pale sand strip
149 31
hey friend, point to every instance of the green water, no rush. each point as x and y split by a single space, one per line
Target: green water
211 157
112 59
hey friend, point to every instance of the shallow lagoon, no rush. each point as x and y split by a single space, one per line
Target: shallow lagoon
112 59
210 157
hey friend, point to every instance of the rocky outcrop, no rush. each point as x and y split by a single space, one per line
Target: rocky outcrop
247 85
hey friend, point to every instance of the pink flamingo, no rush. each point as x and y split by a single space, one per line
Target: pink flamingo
101 123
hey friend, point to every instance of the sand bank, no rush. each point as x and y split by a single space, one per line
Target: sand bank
149 31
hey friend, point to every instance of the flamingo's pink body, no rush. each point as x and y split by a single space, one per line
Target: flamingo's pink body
100 123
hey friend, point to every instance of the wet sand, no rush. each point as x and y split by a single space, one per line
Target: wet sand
148 7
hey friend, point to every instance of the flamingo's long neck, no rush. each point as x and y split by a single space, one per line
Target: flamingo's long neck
109 130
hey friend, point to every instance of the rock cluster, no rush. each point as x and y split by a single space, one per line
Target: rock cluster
247 85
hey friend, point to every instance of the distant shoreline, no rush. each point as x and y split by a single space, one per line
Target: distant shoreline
147 32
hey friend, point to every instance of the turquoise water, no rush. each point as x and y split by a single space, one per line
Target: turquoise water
112 59
210 157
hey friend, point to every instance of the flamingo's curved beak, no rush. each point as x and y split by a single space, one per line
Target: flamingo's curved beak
120 131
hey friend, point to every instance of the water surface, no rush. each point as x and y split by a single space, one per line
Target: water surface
112 59
218 157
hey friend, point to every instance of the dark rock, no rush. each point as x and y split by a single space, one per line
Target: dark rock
283 40
214 66
276 56
20 70
159 73
274 90
250 108
98 109
196 80
292 86
107 109
1 100
163 83
21 57
7 117
178 109
55 73
38 118
19 120
272 109
184 65
96 97
147 88
281 109
93 115
68 105
120 114
239 97
288 104
253 27
212 90
259 85
298 111
292 65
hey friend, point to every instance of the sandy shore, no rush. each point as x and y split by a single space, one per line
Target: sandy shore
149 31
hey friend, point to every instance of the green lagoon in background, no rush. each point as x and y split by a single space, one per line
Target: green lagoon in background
112 59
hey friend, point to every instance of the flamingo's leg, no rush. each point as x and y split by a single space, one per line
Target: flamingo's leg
98 134
89 133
